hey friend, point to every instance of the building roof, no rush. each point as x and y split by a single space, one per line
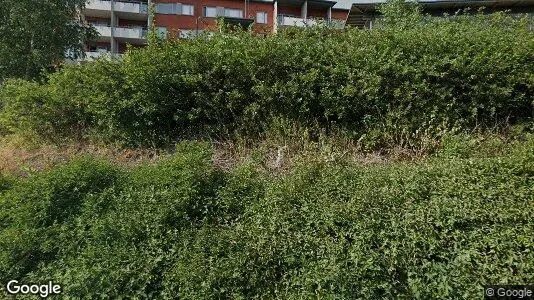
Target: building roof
325 3
344 4
335 4
446 3
363 11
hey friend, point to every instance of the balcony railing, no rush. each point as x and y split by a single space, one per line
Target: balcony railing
98 5
137 7
131 7
284 20
103 30
295 21
92 55
130 32
121 32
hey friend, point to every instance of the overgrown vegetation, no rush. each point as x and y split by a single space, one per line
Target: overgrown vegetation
404 83
437 229
310 222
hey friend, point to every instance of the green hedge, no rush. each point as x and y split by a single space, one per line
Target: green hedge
438 229
391 85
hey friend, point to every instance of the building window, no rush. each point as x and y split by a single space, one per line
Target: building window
165 8
99 23
233 13
261 17
210 12
188 10
214 12
162 32
188 33
175 9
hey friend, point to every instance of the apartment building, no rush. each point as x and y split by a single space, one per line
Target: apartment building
364 12
118 23
123 22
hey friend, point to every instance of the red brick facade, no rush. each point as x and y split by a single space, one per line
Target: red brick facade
175 22
127 23
340 14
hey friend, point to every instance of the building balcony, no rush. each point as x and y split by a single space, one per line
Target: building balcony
104 31
133 35
98 5
301 22
134 10
131 7
130 33
295 21
92 55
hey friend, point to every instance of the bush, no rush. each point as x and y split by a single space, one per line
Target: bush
394 85
78 102
24 107
91 98
6 182
182 229
35 214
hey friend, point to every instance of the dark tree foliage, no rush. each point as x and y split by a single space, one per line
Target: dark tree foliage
37 35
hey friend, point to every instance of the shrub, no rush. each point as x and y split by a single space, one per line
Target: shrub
440 228
92 97
24 107
36 213
77 102
6 182
398 84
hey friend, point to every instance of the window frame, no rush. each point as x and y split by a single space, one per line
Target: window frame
205 11
264 15
192 9
227 13
171 5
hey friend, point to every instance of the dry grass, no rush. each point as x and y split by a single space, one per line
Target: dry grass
269 155
19 158
22 161
280 156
